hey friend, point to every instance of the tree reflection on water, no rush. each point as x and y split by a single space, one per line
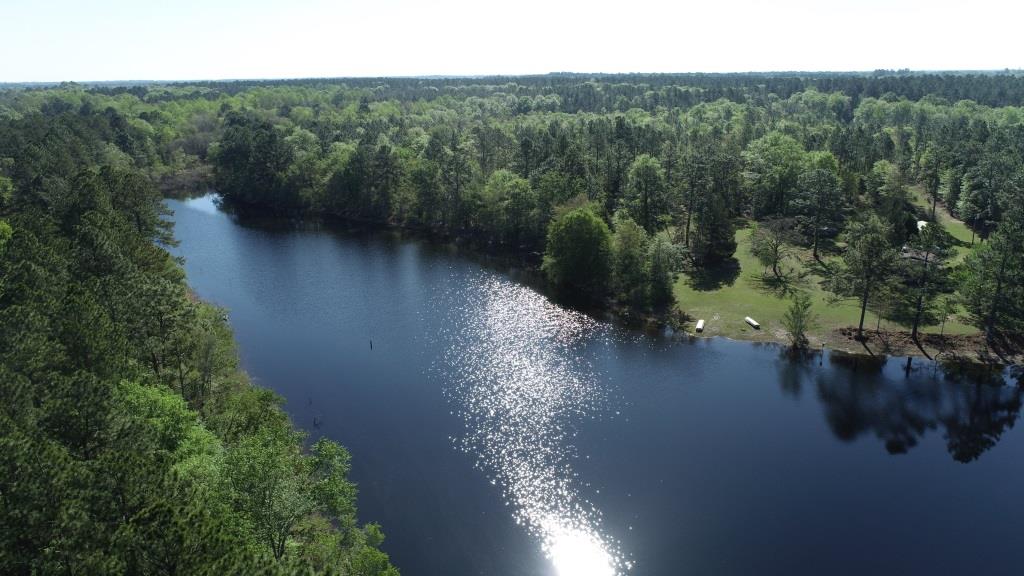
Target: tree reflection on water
970 405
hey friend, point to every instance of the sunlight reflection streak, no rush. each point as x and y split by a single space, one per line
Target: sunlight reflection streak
519 385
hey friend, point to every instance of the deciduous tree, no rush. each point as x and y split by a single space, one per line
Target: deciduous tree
578 258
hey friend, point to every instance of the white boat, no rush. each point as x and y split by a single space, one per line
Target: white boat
753 323
700 325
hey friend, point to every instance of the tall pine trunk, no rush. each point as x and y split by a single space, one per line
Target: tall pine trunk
919 310
863 310
990 321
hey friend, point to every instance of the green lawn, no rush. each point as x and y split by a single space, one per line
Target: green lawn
955 227
724 302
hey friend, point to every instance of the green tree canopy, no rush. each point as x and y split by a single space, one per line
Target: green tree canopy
647 194
629 259
993 285
578 259
773 163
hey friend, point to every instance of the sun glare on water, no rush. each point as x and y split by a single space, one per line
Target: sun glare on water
576 552
515 375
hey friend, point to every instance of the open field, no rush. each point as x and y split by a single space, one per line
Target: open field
725 300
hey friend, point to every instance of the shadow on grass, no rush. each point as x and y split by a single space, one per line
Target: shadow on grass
715 278
827 249
782 286
958 243
821 267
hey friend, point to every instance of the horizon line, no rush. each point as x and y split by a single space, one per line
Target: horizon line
891 71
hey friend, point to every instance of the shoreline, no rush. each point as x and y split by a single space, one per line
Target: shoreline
526 270
848 346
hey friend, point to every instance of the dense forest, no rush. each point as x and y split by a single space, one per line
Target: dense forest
131 437
130 441
619 182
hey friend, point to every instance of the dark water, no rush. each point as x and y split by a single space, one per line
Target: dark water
493 432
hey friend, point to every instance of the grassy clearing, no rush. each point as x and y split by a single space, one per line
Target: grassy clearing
955 227
724 301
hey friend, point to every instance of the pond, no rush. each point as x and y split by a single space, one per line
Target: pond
495 432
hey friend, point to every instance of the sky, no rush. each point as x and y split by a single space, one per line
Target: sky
83 40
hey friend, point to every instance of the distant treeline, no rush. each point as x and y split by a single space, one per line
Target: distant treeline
623 91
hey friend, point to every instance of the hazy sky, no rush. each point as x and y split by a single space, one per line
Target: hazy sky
44 40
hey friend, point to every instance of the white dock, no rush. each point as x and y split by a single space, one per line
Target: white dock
753 323
700 325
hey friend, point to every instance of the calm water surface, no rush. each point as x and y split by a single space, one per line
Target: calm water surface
494 432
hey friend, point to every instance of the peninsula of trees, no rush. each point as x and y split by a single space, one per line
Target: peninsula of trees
130 441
